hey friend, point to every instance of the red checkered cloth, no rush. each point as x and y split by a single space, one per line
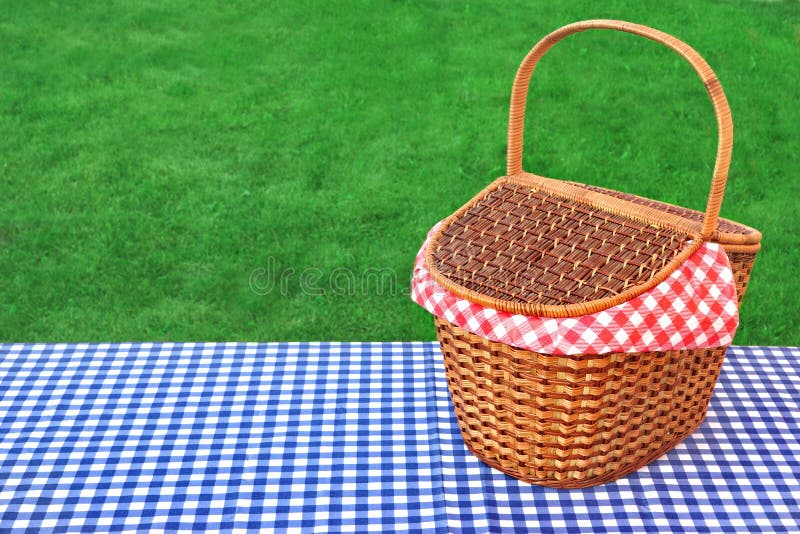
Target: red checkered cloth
695 307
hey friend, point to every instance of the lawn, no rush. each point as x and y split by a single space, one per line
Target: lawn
243 171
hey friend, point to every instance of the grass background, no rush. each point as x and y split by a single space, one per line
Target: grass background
155 154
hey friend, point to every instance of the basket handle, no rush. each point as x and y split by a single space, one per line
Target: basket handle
516 121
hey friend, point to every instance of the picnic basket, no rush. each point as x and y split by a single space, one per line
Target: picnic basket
535 246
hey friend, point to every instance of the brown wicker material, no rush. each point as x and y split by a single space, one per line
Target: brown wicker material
730 231
573 421
742 266
520 245
535 246
739 241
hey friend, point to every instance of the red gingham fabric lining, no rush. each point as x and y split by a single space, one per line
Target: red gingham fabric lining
695 307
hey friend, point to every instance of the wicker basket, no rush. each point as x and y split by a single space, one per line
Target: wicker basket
541 247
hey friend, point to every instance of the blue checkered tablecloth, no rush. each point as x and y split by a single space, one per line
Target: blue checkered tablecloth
350 437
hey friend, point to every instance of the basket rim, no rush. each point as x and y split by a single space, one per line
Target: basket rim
565 190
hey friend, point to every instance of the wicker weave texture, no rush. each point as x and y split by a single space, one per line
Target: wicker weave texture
725 226
742 266
573 421
521 245
741 257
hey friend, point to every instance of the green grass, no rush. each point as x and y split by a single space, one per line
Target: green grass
153 157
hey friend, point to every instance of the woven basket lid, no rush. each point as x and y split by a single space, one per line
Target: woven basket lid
536 246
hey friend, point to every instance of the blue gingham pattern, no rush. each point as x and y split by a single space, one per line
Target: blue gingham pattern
348 437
